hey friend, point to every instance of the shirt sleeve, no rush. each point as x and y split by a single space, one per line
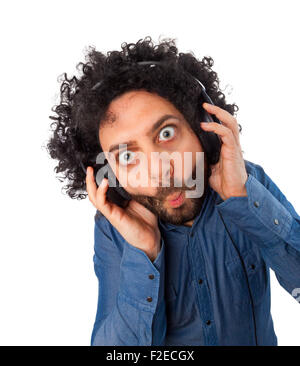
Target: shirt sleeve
131 305
270 220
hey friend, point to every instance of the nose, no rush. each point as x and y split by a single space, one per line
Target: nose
161 174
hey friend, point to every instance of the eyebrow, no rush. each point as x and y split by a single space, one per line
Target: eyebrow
153 128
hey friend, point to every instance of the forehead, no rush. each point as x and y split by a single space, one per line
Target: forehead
137 102
131 114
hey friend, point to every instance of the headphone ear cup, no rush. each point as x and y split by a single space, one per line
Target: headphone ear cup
122 192
211 145
115 192
118 195
210 141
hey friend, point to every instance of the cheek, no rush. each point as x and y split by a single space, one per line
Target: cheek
144 191
192 143
189 149
138 185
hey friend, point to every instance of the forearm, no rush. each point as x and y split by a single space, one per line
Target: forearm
272 224
138 316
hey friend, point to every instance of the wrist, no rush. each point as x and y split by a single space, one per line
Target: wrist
242 193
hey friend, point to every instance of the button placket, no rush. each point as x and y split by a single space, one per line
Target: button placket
204 301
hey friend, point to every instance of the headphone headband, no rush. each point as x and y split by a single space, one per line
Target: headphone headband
153 63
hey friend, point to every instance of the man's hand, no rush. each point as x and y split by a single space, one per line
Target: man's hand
135 223
229 175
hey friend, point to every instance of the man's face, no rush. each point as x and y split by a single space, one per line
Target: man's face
133 117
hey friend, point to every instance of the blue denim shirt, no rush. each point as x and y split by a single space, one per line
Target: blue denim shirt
204 290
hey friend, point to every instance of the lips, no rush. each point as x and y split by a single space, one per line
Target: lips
175 200
173 197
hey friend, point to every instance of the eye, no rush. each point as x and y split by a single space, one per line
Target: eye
124 157
167 132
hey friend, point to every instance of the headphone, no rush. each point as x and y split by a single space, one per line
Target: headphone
211 144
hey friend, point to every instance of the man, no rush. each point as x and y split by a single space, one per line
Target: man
174 270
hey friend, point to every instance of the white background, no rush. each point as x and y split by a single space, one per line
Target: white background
48 286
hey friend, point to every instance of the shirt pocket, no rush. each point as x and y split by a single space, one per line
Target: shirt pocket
258 279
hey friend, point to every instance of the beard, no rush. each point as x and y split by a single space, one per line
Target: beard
190 208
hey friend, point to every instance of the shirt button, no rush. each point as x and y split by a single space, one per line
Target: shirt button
208 322
200 281
276 222
192 234
252 266
149 299
151 276
256 203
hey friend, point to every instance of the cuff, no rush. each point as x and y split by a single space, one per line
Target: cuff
259 214
141 281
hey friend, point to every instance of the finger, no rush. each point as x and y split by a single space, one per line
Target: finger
97 195
102 202
224 132
91 185
225 117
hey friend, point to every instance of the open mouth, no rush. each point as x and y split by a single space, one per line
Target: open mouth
176 199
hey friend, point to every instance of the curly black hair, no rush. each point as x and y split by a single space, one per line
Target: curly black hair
85 108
